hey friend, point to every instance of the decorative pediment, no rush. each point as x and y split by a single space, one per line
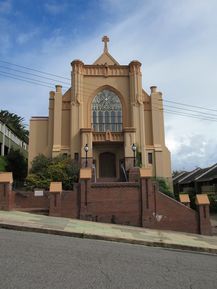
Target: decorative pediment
106 58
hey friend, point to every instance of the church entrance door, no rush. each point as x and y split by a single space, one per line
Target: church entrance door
107 165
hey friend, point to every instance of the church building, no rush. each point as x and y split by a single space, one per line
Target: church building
105 120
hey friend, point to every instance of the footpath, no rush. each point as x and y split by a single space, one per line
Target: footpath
109 232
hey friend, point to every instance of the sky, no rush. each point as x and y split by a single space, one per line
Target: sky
176 42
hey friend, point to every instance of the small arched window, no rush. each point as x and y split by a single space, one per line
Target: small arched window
106 112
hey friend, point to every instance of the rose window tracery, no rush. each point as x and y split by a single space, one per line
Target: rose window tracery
106 112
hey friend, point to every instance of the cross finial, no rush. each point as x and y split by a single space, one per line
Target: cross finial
105 39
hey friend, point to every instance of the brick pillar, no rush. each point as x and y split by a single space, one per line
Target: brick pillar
134 174
55 199
202 203
148 202
85 183
7 196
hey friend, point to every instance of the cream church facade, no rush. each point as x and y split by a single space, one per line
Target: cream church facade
106 110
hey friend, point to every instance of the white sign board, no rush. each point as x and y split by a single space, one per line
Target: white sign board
38 193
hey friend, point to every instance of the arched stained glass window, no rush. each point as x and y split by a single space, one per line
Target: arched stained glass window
106 112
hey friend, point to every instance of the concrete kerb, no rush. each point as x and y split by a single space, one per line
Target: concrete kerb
108 238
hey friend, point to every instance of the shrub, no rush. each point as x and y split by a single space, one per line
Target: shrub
213 203
164 187
59 169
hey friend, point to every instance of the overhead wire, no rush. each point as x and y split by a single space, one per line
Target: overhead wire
33 74
31 82
25 78
36 70
200 114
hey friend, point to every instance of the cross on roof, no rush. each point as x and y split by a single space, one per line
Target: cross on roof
105 39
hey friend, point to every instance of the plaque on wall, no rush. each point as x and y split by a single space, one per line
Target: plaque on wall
38 193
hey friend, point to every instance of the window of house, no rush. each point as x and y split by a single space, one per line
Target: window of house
76 156
106 112
150 158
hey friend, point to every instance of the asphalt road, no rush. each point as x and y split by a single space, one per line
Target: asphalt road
32 260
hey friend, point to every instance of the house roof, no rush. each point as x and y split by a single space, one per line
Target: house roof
190 177
179 176
208 175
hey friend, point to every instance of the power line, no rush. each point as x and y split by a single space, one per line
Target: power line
43 83
191 110
32 82
29 73
185 104
190 115
26 78
36 70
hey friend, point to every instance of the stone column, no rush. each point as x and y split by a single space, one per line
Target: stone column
202 203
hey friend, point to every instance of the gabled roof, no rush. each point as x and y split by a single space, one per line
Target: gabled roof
179 176
190 177
106 57
208 174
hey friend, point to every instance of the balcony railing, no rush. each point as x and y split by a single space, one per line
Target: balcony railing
108 136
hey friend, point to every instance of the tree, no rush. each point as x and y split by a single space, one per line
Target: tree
17 164
2 164
15 123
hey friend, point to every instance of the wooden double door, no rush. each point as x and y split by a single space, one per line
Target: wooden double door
107 165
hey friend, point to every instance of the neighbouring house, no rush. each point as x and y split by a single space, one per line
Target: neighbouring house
197 181
9 139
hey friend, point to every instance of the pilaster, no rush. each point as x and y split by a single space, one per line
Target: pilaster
51 123
77 118
137 106
57 121
86 139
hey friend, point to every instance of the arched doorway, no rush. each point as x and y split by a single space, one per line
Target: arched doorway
107 165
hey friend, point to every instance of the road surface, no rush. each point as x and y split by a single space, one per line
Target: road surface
40 261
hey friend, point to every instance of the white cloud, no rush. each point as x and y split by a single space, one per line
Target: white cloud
193 151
